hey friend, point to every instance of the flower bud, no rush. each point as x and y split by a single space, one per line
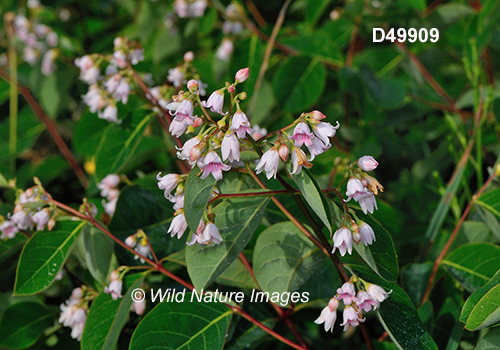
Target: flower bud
131 241
221 123
192 85
195 153
367 163
242 75
189 56
242 96
51 224
197 122
231 89
317 115
283 152
115 275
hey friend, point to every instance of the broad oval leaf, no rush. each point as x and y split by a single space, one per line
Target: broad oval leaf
398 315
314 197
184 325
299 83
23 323
284 259
490 341
484 306
107 317
196 196
237 220
98 252
44 255
119 148
472 265
489 200
381 255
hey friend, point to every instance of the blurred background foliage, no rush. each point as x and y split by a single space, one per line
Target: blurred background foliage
412 106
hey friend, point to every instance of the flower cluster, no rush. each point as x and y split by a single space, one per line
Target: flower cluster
115 290
357 232
368 297
106 90
38 40
74 312
29 213
139 241
190 8
109 190
362 187
178 75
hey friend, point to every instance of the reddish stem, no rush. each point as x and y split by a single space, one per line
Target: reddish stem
51 128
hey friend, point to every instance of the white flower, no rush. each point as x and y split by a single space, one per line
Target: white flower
110 113
110 207
9 229
366 233
377 293
178 226
167 183
94 99
41 218
258 132
177 128
138 306
136 56
184 153
215 102
122 91
225 50
329 315
184 112
230 147
143 249
324 131
175 76
298 161
115 289
317 147
30 55
212 164
242 75
131 241
52 39
210 234
347 293
89 72
23 220
342 239
110 181
365 301
269 162
48 65
240 124
367 163
302 135
351 317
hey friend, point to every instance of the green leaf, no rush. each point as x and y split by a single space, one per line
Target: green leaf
88 132
119 148
387 93
207 22
490 341
98 252
196 196
23 323
299 84
314 9
381 255
107 317
314 197
50 98
237 220
418 4
284 259
44 255
414 279
3 181
183 325
398 315
237 275
472 265
489 200
10 247
482 309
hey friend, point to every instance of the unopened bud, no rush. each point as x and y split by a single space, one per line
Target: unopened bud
367 163
221 123
317 115
192 85
190 129
231 89
189 56
283 152
114 275
195 153
242 75
51 224
131 241
242 96
197 122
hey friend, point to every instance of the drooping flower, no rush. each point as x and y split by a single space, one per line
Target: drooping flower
109 182
110 206
175 76
377 293
366 233
122 91
41 218
258 132
94 99
342 240
367 163
167 183
347 293
89 72
131 241
212 164
22 219
184 112
365 301
8 229
269 162
225 50
302 135
73 315
110 113
48 62
115 289
329 315
177 128
230 147
317 147
324 131
351 317
143 248
210 234
298 161
136 55
138 306
178 226
215 102
240 124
